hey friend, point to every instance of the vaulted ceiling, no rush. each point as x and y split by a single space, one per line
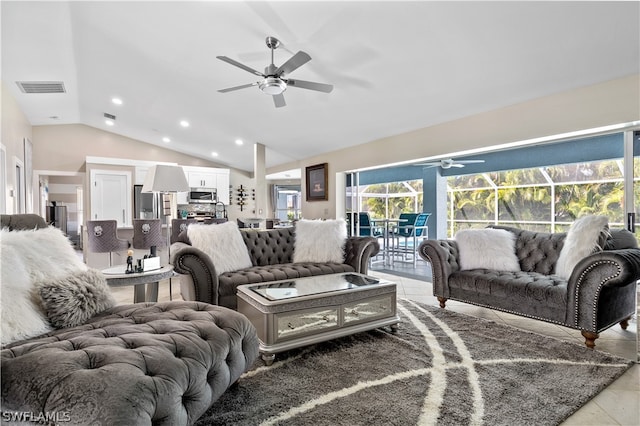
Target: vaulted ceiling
395 66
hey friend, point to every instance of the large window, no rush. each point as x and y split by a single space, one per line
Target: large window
386 199
546 199
287 200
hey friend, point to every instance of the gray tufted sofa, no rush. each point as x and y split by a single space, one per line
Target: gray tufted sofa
138 364
600 292
271 253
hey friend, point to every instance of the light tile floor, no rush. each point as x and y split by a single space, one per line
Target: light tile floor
618 404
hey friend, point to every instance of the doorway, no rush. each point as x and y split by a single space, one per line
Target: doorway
288 202
18 192
111 196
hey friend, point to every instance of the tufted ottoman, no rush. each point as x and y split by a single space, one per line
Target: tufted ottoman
141 364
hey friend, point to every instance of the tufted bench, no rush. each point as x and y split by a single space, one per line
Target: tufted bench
600 292
271 253
141 364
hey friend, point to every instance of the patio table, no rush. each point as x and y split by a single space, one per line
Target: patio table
387 224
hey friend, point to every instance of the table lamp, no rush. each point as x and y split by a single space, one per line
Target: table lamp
167 180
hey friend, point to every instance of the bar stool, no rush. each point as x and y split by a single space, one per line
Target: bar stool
147 233
178 226
102 237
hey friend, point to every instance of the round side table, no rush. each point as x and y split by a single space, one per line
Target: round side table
116 277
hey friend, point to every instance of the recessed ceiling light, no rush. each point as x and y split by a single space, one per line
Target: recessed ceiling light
166 139
239 142
116 101
184 123
214 154
109 122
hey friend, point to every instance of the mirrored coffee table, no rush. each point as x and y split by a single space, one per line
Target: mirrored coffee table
289 314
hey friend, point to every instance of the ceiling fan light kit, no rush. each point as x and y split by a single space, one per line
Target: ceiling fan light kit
272 86
273 82
447 163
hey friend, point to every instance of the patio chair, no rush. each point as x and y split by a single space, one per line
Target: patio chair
366 229
406 237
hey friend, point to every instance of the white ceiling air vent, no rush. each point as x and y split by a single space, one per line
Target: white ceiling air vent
41 86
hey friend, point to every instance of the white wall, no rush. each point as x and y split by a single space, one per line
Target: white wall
64 147
15 128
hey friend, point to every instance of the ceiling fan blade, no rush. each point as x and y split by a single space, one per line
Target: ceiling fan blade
293 63
427 164
239 65
458 165
469 161
320 87
278 100
231 89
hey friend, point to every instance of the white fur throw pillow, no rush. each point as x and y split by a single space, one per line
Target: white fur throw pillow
223 243
487 249
582 240
27 257
320 241
72 300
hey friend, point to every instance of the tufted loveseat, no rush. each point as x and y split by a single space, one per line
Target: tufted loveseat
600 292
271 253
137 364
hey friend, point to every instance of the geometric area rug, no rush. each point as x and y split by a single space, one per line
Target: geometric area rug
440 368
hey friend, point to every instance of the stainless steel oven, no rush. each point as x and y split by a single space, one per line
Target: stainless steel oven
202 196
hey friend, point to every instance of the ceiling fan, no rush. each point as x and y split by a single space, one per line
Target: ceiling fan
447 163
273 79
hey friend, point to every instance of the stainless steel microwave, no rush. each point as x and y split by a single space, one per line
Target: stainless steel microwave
202 196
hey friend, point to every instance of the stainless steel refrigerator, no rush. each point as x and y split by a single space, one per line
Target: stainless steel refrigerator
57 216
146 204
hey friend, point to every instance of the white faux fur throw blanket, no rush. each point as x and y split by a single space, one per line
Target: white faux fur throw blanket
26 258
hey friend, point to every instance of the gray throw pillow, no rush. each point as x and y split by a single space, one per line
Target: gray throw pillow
620 239
72 300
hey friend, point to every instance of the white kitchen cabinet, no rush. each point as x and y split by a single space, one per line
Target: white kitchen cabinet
207 177
202 179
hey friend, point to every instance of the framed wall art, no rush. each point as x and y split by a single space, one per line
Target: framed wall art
317 180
